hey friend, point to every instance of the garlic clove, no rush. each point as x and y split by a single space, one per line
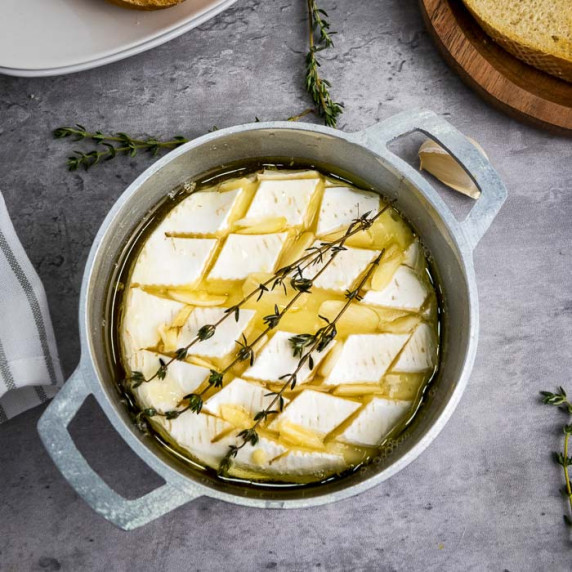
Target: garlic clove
435 160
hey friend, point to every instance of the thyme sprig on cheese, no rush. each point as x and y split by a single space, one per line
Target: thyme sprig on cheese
303 345
298 282
559 399
194 401
314 255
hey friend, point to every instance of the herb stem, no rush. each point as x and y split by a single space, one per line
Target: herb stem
314 255
317 80
316 86
357 226
566 471
560 400
248 347
250 435
302 114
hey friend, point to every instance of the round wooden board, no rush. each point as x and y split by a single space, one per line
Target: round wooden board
503 80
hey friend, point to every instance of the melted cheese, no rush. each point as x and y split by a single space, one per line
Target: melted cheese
405 292
206 212
288 198
172 261
319 412
216 246
419 353
277 359
143 315
165 394
343 270
224 339
366 358
342 205
244 254
375 422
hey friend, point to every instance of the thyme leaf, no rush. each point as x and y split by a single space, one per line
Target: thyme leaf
303 345
559 399
320 38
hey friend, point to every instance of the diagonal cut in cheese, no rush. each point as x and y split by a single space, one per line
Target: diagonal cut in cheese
365 358
405 292
342 205
414 255
344 270
200 435
172 261
375 422
249 396
224 339
272 458
279 174
276 359
288 198
181 379
203 212
244 254
317 411
420 352
143 315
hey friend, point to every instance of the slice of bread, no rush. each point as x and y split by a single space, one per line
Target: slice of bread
538 32
146 4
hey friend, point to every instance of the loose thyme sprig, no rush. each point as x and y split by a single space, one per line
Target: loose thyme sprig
314 255
560 400
314 342
302 285
317 86
122 143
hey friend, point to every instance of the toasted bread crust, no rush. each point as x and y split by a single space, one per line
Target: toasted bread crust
557 63
145 4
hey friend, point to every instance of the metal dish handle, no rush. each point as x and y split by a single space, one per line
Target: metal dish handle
493 191
124 513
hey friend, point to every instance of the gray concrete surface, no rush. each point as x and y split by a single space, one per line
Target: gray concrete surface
485 494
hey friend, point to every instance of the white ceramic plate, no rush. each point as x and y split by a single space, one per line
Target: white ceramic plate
53 37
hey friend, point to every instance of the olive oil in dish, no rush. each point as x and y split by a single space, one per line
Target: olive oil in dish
229 372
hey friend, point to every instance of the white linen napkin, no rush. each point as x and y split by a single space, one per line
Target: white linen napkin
30 371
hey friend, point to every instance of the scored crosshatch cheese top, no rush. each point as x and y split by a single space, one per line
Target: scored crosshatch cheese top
216 246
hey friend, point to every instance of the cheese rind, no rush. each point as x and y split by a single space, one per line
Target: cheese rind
341 205
276 359
405 292
143 315
249 396
375 422
172 261
224 339
420 352
272 458
344 270
199 434
413 255
317 411
365 358
288 198
203 212
244 254
181 379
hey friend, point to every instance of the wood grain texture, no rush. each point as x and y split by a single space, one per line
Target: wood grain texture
504 81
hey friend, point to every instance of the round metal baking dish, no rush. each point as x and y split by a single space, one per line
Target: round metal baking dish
366 157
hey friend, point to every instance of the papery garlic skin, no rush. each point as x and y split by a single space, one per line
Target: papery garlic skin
435 160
